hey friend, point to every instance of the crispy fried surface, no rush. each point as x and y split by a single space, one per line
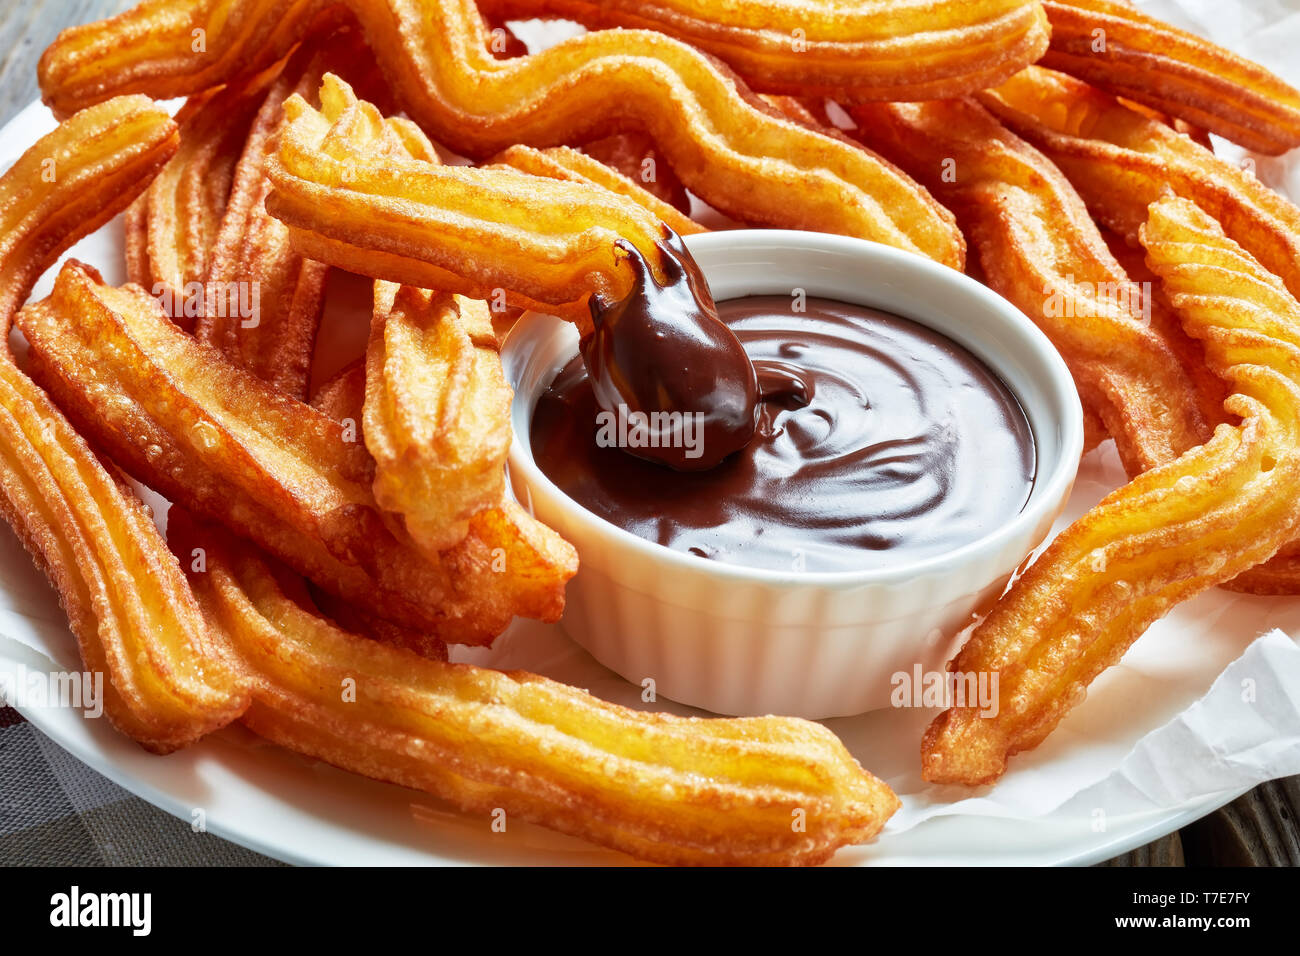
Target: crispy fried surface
253 256
1039 248
436 415
526 555
873 50
1120 162
663 788
70 183
171 229
437 411
1211 390
1169 534
168 681
725 144
1151 62
561 162
550 243
251 249
225 444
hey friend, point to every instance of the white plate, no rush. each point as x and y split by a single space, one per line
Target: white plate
302 811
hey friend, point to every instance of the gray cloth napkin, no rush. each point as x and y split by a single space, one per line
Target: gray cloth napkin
56 811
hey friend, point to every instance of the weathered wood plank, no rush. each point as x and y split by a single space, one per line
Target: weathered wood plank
26 28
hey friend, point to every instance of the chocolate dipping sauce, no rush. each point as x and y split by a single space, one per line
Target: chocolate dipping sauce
877 440
663 349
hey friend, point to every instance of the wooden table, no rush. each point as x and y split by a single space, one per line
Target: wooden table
1260 829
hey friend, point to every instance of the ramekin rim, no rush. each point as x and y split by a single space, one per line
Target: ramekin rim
1046 498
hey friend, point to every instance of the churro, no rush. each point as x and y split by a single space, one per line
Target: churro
662 788
872 50
171 229
1039 248
437 412
223 443
1169 534
726 145
1120 162
1114 46
561 162
168 678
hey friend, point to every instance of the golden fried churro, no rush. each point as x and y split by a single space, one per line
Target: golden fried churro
1116 47
342 398
1039 248
1211 390
73 181
166 49
526 557
167 682
136 622
548 243
869 50
251 251
1121 162
171 228
727 146
227 445
437 411
253 260
561 162
663 788
1169 534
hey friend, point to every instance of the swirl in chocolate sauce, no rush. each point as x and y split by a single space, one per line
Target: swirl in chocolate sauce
878 440
662 353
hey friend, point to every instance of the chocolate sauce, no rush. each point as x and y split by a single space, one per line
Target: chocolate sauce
877 440
662 353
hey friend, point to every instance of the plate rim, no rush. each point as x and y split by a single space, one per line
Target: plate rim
1147 826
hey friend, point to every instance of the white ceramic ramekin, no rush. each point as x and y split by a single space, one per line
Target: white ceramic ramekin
740 641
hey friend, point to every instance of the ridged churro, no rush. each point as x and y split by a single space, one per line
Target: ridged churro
870 50
171 229
226 445
726 145
1114 46
1167 535
662 788
1211 390
73 181
1039 248
253 258
168 680
251 251
437 411
1120 162
541 242
561 162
